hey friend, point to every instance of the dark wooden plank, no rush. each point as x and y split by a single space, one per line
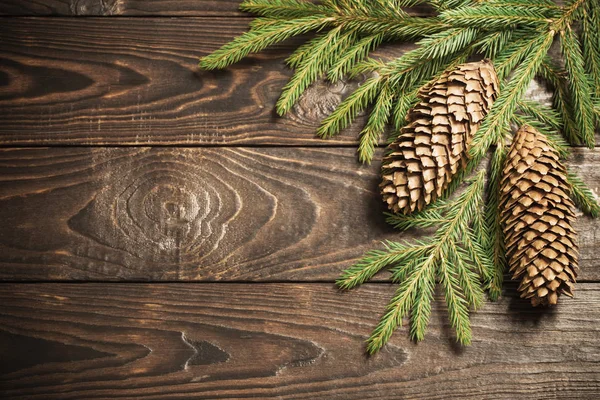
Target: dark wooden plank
284 341
66 81
127 8
120 7
132 81
201 213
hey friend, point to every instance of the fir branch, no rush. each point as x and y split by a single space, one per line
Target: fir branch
443 5
259 39
458 309
367 67
290 9
430 216
590 40
348 109
494 43
394 28
544 5
405 100
495 16
468 280
302 53
401 303
375 127
358 52
579 86
477 254
421 308
494 240
454 274
583 197
514 54
490 131
431 58
395 254
542 113
322 52
561 99
570 11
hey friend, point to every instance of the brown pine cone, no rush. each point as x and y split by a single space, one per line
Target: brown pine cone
537 219
433 145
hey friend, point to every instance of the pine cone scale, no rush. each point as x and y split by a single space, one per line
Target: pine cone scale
433 146
537 215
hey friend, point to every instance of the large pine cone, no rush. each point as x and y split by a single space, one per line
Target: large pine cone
537 217
433 145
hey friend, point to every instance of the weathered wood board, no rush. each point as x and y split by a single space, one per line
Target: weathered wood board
110 8
203 267
135 81
120 7
283 341
300 214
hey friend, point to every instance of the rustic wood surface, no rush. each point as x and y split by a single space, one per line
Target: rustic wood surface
120 7
66 81
143 213
284 341
103 236
109 8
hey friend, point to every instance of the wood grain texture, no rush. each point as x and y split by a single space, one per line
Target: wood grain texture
108 8
120 7
252 214
132 81
283 341
135 81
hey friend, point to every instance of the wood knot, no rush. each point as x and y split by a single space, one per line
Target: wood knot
94 7
321 98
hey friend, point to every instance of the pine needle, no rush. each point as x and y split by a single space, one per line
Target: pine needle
322 52
583 197
290 9
561 99
348 109
358 52
505 105
494 239
497 16
439 256
395 254
259 39
579 86
375 127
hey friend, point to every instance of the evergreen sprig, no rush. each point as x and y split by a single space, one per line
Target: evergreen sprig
465 255
447 255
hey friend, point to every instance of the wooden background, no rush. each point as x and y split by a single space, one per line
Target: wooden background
164 235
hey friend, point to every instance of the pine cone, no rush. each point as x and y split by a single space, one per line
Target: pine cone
537 216
433 145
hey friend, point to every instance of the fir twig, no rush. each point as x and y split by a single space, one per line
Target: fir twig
348 109
322 51
583 197
510 94
579 86
257 40
369 136
561 98
440 256
494 240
